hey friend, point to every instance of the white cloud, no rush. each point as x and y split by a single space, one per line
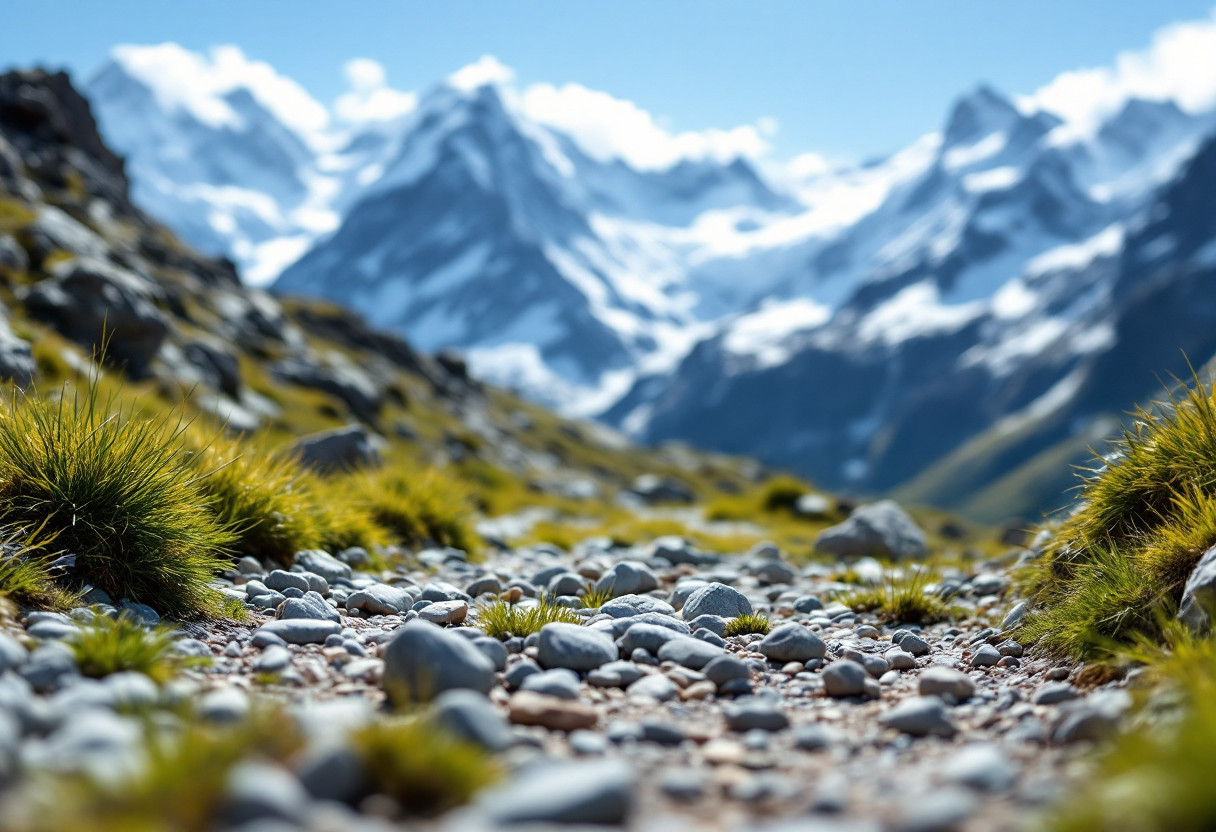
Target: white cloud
487 70
181 79
608 128
370 97
1179 64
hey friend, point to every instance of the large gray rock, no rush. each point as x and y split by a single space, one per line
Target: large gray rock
574 647
380 599
89 300
716 599
301 630
424 660
792 643
1199 595
341 449
628 606
567 793
341 379
627 578
881 529
312 606
324 564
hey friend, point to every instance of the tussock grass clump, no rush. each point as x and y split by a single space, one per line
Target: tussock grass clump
111 645
745 624
502 620
423 768
420 508
112 489
1157 776
180 789
267 499
1143 520
905 601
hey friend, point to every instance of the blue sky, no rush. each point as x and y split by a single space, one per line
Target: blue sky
845 79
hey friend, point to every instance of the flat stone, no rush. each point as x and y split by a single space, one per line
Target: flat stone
530 708
558 682
627 606
301 630
656 686
689 652
471 716
755 713
380 599
1053 693
920 716
792 643
844 678
899 659
945 681
444 612
596 792
574 647
618 674
323 564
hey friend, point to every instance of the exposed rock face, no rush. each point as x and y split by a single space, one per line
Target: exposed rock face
102 306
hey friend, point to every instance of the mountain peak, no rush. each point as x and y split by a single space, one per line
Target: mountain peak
486 71
978 114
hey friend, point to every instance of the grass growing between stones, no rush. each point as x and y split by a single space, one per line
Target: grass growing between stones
422 768
179 787
594 598
502 619
1157 776
746 624
112 645
1142 521
111 488
421 508
900 601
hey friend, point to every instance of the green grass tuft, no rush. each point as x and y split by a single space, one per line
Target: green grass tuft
502 620
900 601
180 789
426 508
1142 521
111 645
264 497
421 767
593 598
111 489
745 624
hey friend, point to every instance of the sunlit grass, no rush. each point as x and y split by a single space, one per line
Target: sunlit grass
900 600
502 619
746 624
112 645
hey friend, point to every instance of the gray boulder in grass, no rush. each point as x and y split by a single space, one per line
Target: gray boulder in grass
424 660
881 529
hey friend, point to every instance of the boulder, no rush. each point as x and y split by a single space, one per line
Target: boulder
424 660
881 529
340 449
716 599
89 300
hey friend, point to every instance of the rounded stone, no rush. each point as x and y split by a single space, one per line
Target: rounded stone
574 647
792 643
424 660
716 599
844 678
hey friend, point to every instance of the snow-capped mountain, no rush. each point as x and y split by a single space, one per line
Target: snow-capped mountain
557 273
987 296
236 158
932 321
